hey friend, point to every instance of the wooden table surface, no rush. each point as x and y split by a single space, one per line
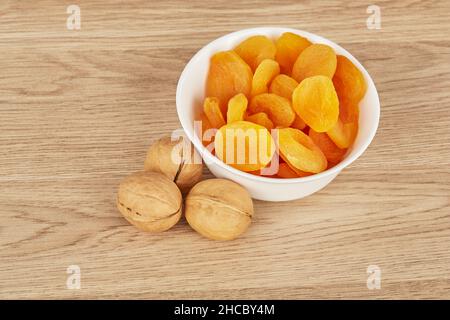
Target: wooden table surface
79 108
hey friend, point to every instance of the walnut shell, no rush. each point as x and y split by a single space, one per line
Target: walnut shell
166 156
150 201
219 209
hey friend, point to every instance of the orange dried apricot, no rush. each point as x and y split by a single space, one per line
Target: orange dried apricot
300 151
283 86
255 49
298 123
333 153
228 75
289 46
344 132
265 72
262 119
207 134
316 102
206 125
349 81
348 111
236 108
212 111
317 59
261 174
255 173
244 145
278 109
284 171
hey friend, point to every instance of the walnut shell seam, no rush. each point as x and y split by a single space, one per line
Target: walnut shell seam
180 168
148 196
150 220
216 201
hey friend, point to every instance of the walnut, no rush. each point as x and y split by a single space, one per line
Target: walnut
150 201
219 209
178 160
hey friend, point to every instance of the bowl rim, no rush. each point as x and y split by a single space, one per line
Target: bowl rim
204 152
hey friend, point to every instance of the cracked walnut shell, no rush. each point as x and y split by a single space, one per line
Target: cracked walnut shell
150 201
219 209
178 160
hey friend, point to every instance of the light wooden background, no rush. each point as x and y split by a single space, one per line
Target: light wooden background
79 109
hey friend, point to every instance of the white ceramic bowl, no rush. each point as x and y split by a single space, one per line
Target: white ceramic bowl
190 95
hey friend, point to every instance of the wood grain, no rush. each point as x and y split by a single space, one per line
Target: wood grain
79 109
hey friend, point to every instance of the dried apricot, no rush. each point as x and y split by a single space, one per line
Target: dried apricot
265 72
317 59
204 134
262 119
278 109
316 102
236 108
289 46
300 151
244 145
255 173
261 174
298 123
344 132
333 153
284 171
348 111
255 49
228 75
212 111
349 81
283 86
205 122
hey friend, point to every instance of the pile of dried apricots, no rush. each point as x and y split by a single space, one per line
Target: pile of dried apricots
303 90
